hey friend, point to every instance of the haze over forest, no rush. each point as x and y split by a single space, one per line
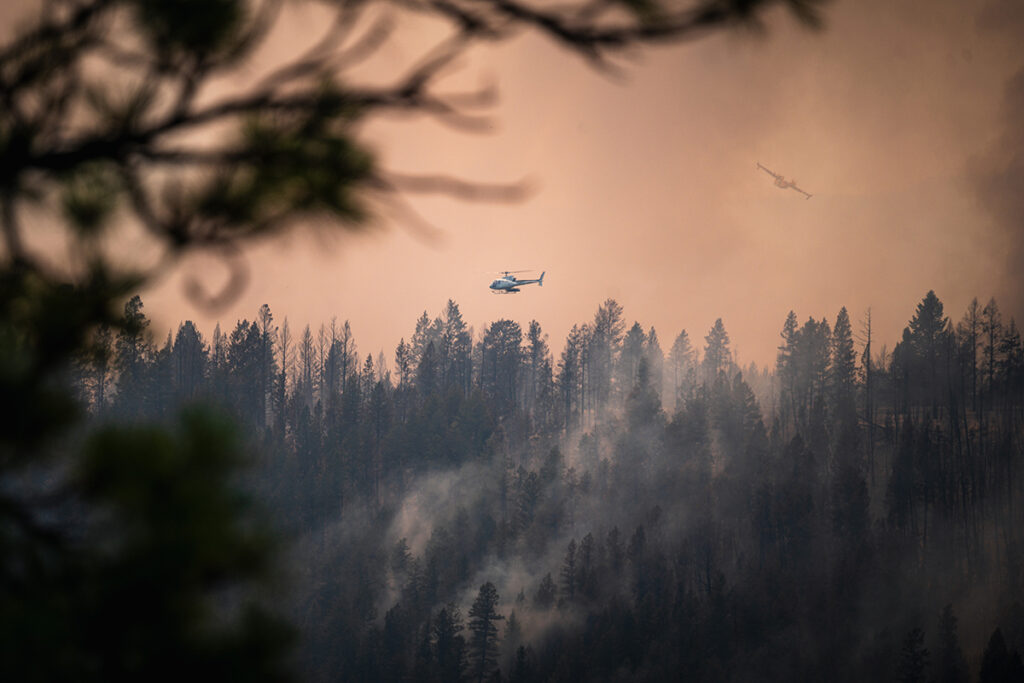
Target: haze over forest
498 508
261 418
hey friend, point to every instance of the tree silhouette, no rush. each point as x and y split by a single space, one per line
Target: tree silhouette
999 663
913 658
483 641
951 667
717 356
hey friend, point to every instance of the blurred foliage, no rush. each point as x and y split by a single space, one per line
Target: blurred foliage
190 29
89 196
137 574
300 167
43 324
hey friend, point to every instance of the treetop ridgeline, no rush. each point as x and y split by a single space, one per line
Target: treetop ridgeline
859 481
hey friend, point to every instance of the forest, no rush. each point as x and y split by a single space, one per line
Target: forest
266 504
482 507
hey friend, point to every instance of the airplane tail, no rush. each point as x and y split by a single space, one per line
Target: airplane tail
540 282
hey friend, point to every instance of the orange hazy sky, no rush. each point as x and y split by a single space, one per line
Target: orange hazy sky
902 118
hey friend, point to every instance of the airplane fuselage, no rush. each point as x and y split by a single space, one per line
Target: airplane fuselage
781 182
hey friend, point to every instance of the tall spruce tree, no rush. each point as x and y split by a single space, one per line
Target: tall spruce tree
928 328
683 363
717 356
950 664
483 642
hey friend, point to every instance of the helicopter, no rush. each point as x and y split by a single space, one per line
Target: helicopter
509 284
780 181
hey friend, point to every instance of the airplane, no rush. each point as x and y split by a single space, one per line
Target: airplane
509 284
781 181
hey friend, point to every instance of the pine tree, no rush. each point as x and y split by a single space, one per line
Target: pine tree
999 664
285 351
867 363
632 351
511 641
786 370
134 358
484 633
101 368
717 356
522 670
969 337
403 363
928 328
951 667
455 348
602 353
1011 362
188 360
571 368
306 369
427 332
267 363
991 332
537 392
586 568
547 593
502 364
449 645
913 658
655 358
843 367
683 360
568 573
426 371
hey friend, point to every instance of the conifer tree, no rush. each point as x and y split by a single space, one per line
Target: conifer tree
683 360
547 593
655 357
717 356
951 667
449 644
928 328
568 573
992 332
632 351
913 662
969 337
537 391
484 633
999 664
502 363
785 368
843 367
134 356
571 376
602 353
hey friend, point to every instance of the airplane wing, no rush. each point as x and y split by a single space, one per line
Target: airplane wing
768 171
807 194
